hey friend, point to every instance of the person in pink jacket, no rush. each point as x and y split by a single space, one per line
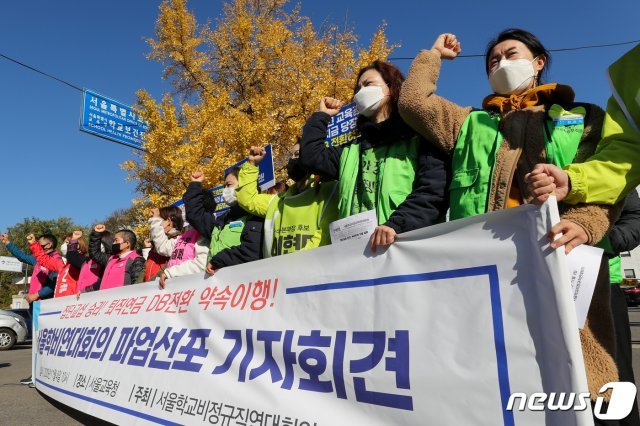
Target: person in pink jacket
124 266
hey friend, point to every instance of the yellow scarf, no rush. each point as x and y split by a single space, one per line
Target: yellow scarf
546 94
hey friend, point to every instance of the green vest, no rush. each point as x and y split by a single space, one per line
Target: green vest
396 174
480 138
228 236
615 263
300 221
475 154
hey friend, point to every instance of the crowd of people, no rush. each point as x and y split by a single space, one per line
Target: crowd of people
416 156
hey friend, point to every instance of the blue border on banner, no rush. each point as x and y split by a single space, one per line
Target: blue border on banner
109 405
491 271
51 313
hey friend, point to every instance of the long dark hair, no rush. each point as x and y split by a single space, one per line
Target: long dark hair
532 42
393 78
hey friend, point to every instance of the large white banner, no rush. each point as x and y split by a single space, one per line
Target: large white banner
439 329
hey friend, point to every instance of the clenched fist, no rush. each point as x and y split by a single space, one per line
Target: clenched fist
256 154
447 46
330 105
197 176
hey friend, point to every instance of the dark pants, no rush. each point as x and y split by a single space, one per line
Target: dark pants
623 348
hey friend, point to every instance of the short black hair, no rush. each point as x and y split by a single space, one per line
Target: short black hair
51 238
106 240
532 42
208 201
233 171
129 236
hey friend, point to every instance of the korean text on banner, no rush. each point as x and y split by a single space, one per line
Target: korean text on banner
332 336
342 128
221 205
112 120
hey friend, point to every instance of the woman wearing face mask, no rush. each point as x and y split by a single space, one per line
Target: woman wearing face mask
388 168
235 236
522 123
187 253
295 220
90 270
163 230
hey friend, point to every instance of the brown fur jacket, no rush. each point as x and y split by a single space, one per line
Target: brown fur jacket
440 121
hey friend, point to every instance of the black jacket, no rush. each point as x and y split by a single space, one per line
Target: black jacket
428 201
134 269
250 247
625 234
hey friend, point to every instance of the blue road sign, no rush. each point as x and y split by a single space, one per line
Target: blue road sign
112 120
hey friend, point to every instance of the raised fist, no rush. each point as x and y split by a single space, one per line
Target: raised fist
330 105
31 238
155 212
5 239
76 235
197 176
99 228
256 154
447 46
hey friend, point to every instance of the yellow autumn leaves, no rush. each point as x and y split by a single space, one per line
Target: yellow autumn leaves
250 78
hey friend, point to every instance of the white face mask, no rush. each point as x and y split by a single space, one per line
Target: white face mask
63 249
368 100
229 196
512 77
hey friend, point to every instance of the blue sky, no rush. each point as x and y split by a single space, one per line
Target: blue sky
51 169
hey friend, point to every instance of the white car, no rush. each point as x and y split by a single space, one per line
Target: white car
13 329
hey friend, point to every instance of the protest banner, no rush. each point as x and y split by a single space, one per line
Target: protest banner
342 128
221 205
266 171
440 328
112 120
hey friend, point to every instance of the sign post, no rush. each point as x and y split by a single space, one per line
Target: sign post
112 120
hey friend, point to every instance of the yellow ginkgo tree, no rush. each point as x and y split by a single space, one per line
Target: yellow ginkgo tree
251 78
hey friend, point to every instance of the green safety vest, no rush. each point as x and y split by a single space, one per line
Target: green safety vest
300 221
480 138
475 154
227 236
396 176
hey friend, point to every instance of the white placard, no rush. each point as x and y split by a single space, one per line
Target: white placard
584 265
10 264
356 227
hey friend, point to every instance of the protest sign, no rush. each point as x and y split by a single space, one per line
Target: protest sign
266 172
342 128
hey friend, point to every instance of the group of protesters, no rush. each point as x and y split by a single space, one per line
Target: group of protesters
416 157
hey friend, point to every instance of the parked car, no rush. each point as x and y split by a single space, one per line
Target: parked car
632 295
13 329
24 313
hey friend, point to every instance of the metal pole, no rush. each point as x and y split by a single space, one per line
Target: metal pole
26 272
